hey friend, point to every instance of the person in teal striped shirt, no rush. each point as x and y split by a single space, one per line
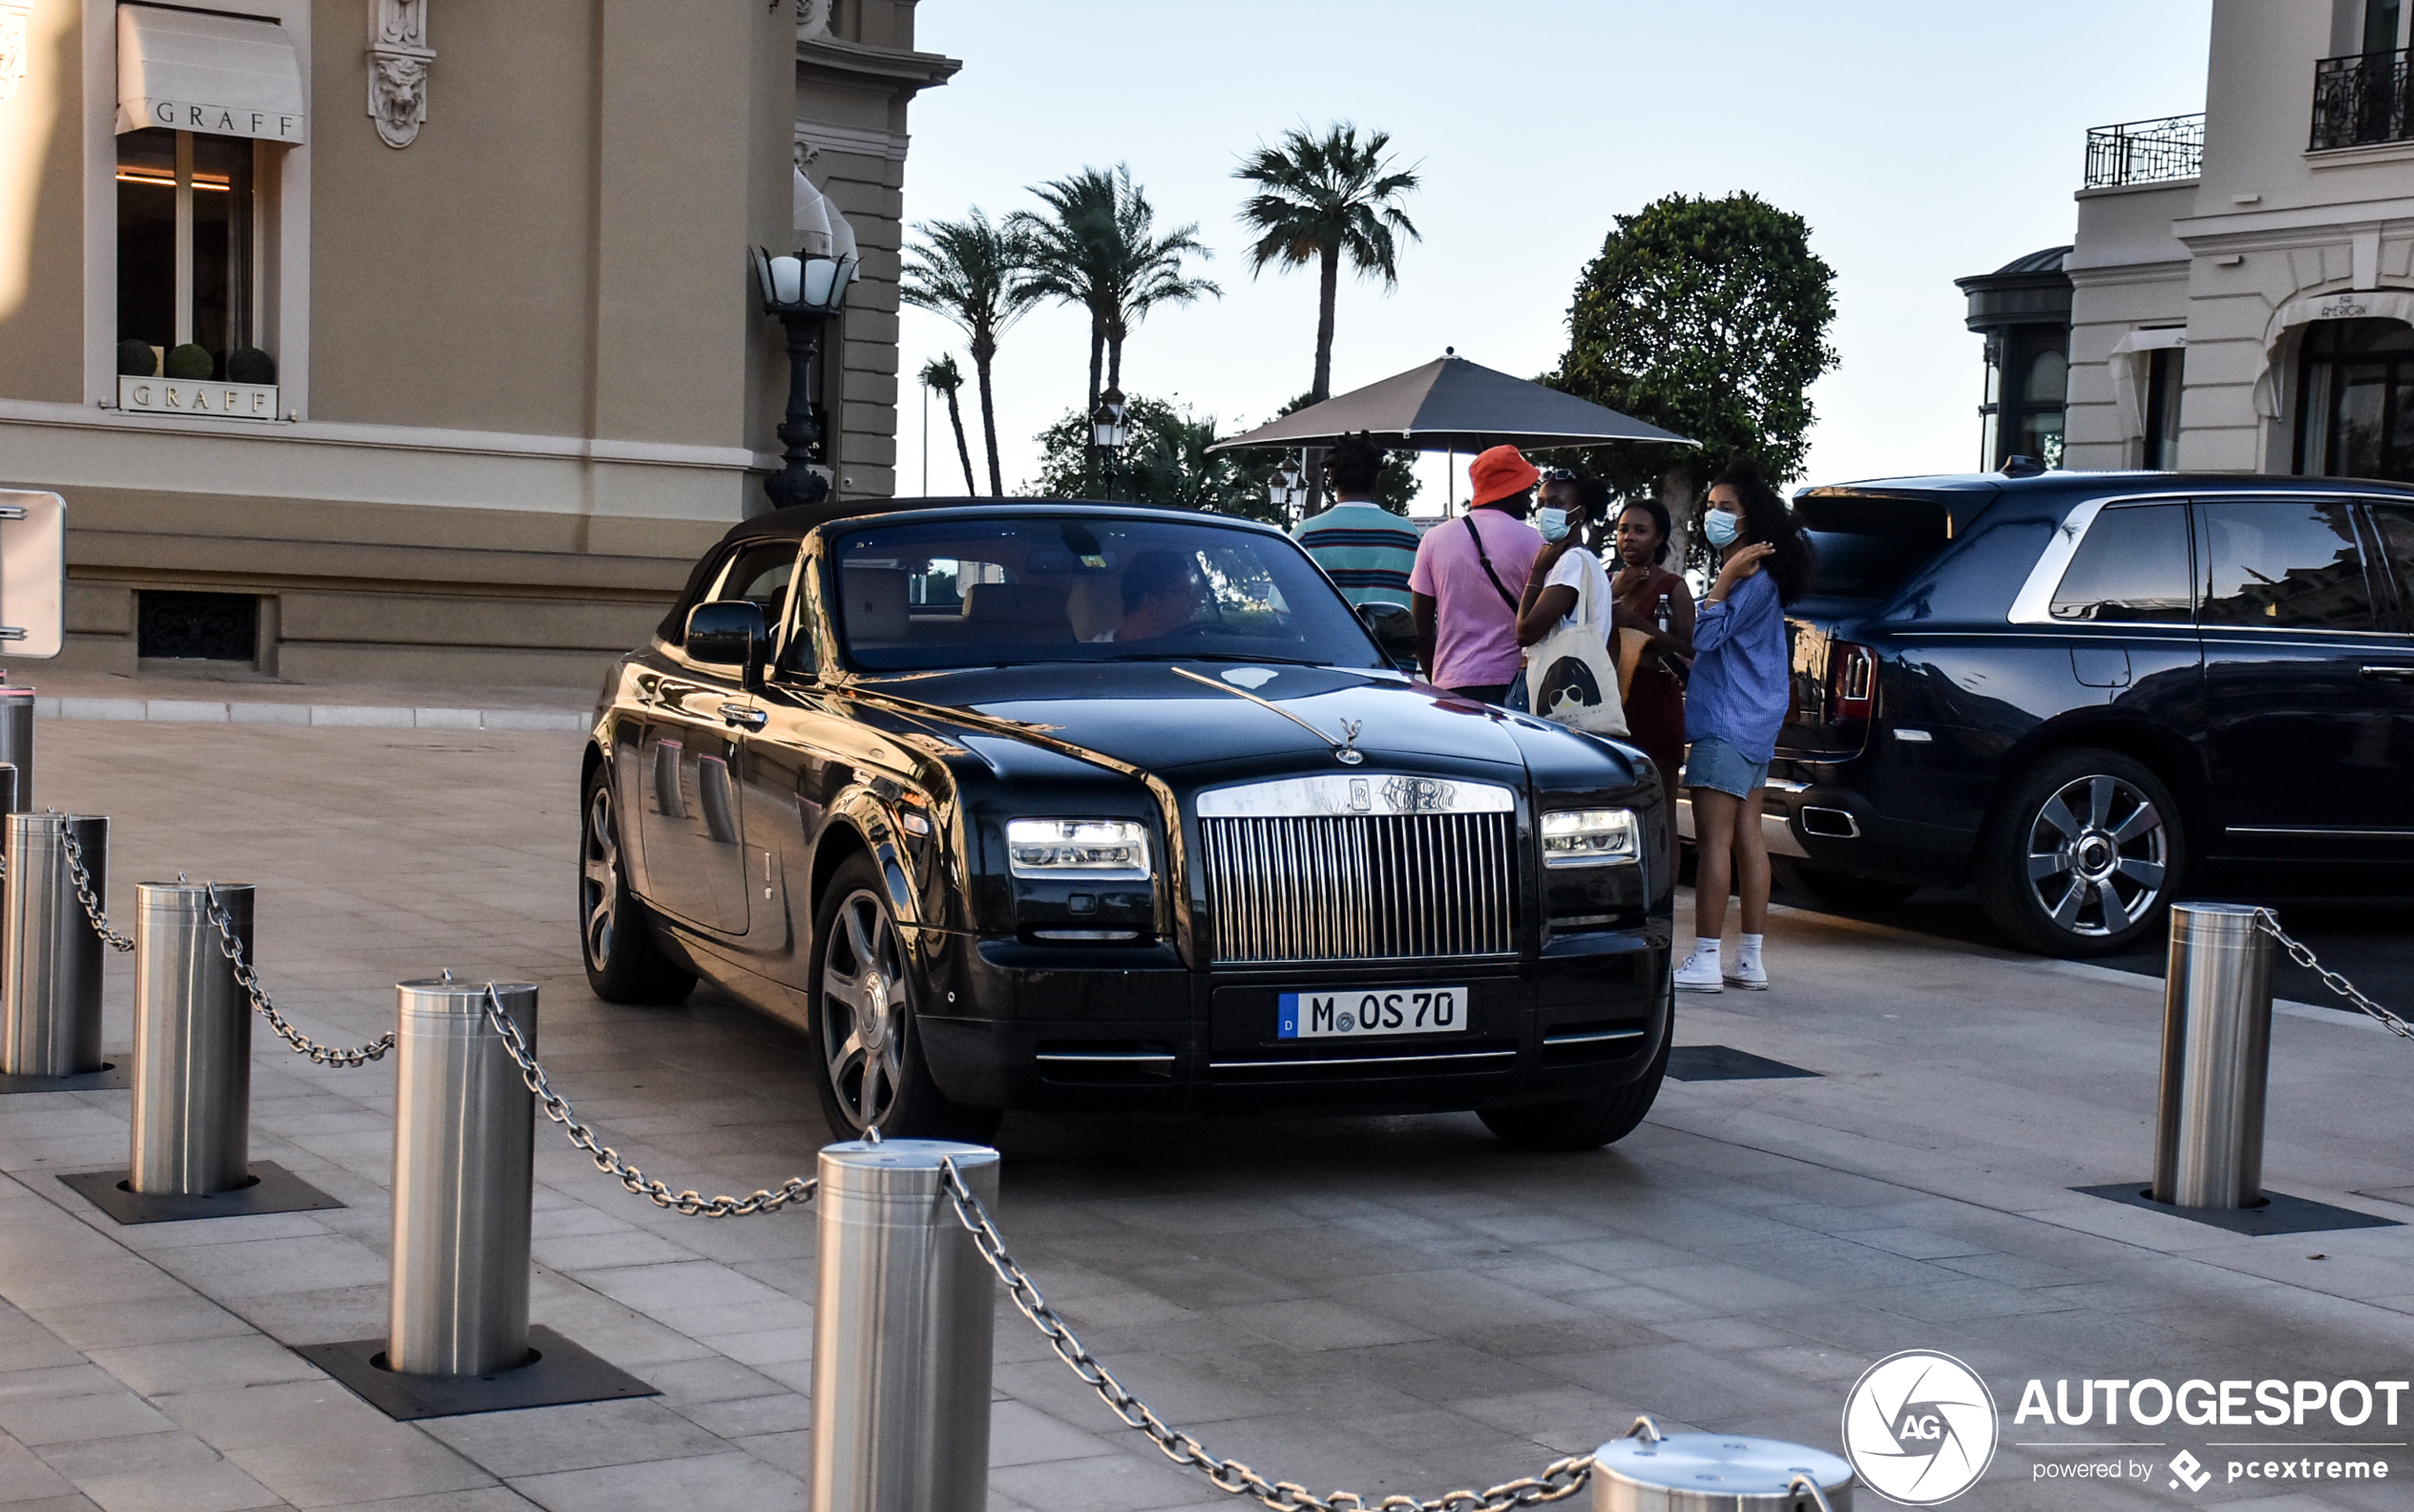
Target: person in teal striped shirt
1364 548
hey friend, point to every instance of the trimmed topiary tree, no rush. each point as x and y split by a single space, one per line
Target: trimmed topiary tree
136 358
250 364
191 360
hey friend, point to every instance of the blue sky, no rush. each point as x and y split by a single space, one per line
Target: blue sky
1922 141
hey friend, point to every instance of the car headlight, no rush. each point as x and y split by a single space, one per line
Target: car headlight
1590 837
1078 850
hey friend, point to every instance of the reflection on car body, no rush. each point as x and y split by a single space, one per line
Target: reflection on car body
1015 805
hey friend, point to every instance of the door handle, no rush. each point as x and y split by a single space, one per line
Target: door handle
2390 674
743 715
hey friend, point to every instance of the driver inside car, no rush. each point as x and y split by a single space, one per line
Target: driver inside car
1159 596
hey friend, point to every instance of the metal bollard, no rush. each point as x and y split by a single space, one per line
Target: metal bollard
1715 1473
192 1042
49 953
465 1131
2216 1056
902 1332
16 741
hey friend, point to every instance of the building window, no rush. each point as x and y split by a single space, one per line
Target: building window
2357 419
2164 367
172 626
2027 373
188 269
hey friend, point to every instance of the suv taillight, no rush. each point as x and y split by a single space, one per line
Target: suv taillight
1854 670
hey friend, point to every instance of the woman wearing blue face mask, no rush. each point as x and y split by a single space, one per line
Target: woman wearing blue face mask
1734 704
1566 569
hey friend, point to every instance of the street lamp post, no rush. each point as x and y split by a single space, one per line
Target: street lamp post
1110 428
1285 489
803 291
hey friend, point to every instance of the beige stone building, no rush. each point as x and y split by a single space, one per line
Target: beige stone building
418 339
2242 283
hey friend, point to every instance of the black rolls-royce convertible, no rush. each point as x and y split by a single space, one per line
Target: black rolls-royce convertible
1023 805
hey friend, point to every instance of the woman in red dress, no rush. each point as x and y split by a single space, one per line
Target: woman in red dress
1651 599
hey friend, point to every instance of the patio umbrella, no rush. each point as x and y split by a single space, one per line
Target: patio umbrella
1453 405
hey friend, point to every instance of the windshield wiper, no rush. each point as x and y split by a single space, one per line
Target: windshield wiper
1345 749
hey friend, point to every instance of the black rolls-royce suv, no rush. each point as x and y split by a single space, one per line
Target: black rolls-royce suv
2077 690
1026 805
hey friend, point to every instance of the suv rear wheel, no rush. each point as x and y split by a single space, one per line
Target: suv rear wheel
2083 856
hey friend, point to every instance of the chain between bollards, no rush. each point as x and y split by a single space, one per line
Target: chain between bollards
2269 923
248 980
93 909
693 1203
1559 1480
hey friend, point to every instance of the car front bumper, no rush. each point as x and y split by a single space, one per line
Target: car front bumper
1131 1027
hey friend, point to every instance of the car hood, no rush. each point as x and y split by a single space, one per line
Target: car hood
1150 717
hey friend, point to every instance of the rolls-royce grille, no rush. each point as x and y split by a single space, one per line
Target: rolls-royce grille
1361 887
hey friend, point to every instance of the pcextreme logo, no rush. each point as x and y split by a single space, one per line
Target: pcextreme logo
1920 1428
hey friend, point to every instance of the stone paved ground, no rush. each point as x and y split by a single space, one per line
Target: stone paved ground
1391 1305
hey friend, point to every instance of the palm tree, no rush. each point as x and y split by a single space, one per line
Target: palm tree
1319 199
1096 247
973 274
941 375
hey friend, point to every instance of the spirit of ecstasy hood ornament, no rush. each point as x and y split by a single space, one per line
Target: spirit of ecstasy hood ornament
1344 750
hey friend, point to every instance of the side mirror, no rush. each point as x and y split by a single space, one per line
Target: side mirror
1394 626
729 632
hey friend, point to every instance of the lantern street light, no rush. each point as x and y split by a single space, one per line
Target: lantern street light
803 291
1110 430
1286 489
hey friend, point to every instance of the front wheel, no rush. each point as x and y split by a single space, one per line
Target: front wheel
2082 857
863 1022
624 963
1586 1123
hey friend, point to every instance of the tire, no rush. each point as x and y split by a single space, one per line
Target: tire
1586 1123
1841 889
2083 856
616 932
863 1026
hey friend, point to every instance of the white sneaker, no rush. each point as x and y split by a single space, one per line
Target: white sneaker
1699 974
1749 975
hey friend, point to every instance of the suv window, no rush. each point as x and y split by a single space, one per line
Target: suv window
1868 547
2289 563
2132 568
2394 523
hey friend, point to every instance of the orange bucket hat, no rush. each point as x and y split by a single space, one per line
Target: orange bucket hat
1500 473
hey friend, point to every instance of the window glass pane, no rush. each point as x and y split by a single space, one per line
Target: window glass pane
2396 525
222 244
2048 375
2284 565
2132 567
1065 588
146 238
760 574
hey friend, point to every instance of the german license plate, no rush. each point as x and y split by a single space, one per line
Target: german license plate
1373 1012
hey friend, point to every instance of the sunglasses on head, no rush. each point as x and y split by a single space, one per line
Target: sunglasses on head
1558 474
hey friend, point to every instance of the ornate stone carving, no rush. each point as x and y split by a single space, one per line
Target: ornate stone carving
398 59
12 44
813 18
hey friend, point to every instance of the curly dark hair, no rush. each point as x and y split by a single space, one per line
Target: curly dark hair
1354 465
1766 518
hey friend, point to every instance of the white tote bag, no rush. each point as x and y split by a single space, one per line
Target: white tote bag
1569 677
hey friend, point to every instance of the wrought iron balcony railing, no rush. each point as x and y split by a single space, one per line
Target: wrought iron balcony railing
2359 100
2146 151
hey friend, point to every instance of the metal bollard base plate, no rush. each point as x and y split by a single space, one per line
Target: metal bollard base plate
112 1074
561 1374
2278 1213
273 1189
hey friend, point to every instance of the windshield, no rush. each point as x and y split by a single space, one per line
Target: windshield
963 593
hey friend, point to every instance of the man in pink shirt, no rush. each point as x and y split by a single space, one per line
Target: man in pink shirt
1469 574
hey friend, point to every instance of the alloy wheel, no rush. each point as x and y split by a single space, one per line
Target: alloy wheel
863 1010
600 878
2099 853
